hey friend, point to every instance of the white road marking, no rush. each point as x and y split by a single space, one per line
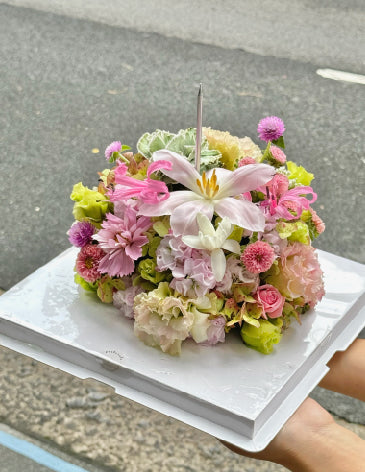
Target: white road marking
340 75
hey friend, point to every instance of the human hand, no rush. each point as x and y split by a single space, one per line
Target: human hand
311 440
347 371
308 421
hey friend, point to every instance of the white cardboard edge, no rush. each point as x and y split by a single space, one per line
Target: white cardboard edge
264 435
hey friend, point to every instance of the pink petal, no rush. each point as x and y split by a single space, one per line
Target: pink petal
241 212
183 218
166 207
158 165
134 251
243 179
182 171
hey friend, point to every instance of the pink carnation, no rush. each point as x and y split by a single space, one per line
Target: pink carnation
258 257
278 154
122 240
299 274
88 261
271 301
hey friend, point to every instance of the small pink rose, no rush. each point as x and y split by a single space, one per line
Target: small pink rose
271 300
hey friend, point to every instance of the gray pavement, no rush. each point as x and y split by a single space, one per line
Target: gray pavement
54 459
70 85
327 33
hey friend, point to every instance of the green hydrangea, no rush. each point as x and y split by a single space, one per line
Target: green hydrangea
89 204
262 338
107 286
85 285
297 231
299 174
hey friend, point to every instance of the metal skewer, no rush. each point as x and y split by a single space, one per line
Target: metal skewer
199 128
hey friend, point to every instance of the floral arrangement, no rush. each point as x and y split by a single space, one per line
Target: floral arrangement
190 254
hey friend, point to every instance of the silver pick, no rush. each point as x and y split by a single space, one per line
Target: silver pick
199 128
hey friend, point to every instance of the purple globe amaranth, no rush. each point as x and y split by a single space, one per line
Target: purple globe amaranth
270 128
80 233
115 146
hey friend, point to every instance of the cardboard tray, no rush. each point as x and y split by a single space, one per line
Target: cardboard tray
228 390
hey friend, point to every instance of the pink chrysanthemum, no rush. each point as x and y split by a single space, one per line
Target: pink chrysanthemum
258 257
278 154
80 233
317 221
115 146
87 262
270 128
246 160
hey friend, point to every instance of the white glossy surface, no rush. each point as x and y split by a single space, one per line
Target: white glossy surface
227 390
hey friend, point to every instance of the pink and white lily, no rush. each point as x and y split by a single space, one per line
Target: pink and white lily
217 191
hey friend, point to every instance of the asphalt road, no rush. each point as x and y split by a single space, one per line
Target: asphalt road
70 86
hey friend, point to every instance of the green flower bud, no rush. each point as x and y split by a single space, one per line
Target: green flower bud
147 269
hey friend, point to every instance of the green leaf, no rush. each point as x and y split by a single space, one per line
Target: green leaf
279 142
114 157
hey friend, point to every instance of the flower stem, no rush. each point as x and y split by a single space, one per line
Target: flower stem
266 152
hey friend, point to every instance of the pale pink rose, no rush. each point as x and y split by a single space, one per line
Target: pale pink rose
271 301
298 274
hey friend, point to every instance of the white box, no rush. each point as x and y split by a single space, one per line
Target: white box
228 390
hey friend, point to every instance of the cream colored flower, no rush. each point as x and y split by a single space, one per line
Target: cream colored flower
214 240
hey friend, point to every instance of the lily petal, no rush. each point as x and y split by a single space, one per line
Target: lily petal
232 245
183 218
224 230
166 207
193 241
218 261
182 171
205 225
242 213
243 179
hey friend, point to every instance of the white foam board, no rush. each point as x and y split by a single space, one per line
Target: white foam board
228 390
